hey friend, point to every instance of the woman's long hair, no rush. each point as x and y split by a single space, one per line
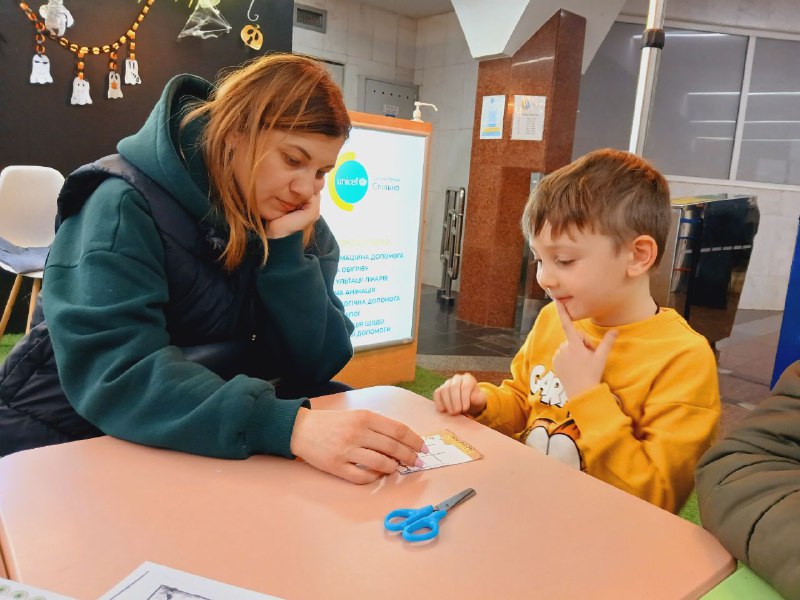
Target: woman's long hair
286 92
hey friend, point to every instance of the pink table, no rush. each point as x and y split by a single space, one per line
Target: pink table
77 518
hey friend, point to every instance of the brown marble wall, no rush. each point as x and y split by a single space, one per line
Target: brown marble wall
549 64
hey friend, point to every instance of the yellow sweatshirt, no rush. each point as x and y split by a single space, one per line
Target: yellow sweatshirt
642 428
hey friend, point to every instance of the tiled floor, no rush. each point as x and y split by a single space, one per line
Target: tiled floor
746 358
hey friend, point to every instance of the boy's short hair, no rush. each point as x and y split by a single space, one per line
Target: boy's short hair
608 191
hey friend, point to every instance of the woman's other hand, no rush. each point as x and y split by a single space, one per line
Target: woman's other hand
357 445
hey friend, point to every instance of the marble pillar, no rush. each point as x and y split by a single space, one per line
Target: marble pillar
548 64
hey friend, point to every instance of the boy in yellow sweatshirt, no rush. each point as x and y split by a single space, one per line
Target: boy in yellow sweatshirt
607 381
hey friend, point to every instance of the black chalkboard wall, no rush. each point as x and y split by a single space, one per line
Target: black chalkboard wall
39 126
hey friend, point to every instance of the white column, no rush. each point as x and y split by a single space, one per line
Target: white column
652 42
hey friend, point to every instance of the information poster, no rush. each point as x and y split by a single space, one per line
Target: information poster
528 121
372 202
492 112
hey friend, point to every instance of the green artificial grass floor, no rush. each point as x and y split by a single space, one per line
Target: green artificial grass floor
424 384
7 343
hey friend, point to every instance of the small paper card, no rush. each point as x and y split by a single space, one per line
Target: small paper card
444 448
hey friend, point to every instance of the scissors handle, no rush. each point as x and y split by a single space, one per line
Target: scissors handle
399 519
411 532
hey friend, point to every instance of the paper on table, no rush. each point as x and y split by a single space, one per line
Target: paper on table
444 448
157 582
13 590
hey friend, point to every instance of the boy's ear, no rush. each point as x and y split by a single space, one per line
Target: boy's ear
644 251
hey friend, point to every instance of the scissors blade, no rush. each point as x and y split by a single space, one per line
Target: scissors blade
457 499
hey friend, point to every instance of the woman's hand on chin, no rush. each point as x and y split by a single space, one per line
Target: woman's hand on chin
304 215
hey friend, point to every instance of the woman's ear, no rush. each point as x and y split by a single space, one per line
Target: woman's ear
643 253
231 141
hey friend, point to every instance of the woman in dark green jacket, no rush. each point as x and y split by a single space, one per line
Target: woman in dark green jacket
224 260
748 487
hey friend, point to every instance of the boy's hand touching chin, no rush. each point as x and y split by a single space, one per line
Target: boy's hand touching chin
577 363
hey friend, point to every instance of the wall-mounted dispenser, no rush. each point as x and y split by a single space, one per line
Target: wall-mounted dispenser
417 115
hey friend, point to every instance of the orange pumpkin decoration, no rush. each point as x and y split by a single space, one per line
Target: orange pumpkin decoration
251 36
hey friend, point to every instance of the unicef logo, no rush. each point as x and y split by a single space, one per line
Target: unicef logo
349 182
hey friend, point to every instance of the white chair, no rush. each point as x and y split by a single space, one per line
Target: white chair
27 227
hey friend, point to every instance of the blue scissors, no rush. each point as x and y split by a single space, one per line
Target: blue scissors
412 521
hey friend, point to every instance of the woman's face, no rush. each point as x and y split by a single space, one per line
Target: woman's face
291 172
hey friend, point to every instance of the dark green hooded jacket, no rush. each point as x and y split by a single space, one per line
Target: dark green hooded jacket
107 301
748 487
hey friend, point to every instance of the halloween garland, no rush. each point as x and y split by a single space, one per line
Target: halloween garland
56 19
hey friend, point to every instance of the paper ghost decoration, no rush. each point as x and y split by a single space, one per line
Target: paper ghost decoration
132 72
56 17
80 91
40 71
114 87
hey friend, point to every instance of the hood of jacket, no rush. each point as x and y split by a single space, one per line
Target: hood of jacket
172 156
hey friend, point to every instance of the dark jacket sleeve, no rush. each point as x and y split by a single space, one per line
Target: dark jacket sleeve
296 289
748 486
104 291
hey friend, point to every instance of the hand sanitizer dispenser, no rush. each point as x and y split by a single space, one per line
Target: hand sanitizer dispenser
417 115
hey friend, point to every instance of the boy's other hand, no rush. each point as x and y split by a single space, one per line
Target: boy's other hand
460 395
577 363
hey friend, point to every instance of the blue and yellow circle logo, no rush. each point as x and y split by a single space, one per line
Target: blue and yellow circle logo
348 183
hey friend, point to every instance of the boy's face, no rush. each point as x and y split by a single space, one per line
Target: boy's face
585 272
